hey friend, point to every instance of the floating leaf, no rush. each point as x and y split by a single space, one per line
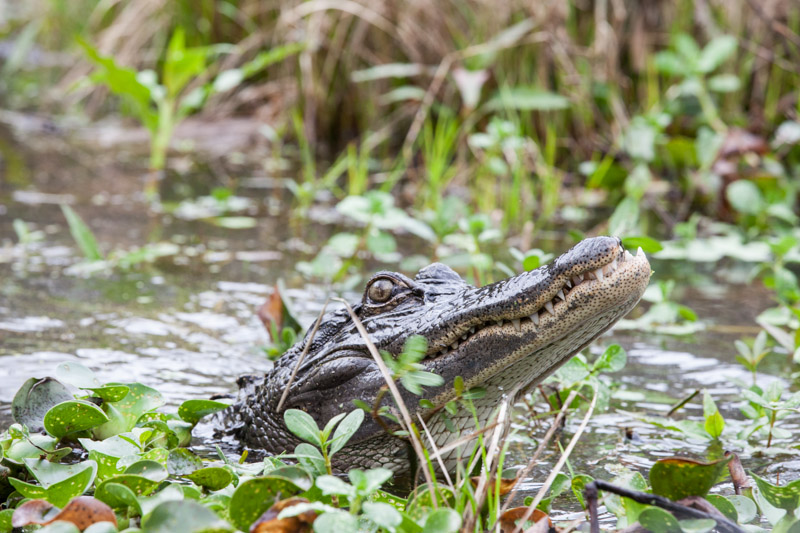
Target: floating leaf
124 413
193 410
181 462
73 416
58 483
35 398
212 477
186 516
659 521
679 477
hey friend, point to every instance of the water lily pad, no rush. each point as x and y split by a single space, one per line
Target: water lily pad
58 483
255 496
679 477
420 501
745 508
659 521
212 477
73 416
186 516
193 410
35 398
724 506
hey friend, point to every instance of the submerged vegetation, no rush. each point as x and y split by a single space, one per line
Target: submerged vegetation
481 135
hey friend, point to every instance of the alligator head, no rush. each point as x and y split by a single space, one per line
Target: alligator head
505 337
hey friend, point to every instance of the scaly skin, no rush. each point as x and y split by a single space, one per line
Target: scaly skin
505 337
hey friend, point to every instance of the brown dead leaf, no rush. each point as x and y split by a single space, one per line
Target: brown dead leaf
82 511
271 312
269 522
505 484
508 520
739 142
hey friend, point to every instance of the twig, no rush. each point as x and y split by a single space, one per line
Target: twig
436 453
303 354
683 402
415 442
559 465
590 493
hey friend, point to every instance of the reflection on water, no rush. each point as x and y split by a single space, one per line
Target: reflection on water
188 327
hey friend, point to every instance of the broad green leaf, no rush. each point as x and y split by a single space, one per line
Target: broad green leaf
181 462
716 52
367 482
745 197
383 514
310 457
117 496
35 398
83 236
612 360
113 393
302 425
785 497
107 453
697 525
714 425
647 244
149 469
254 496
337 521
333 485
442 521
746 509
124 414
234 222
724 506
212 477
724 83
60 526
73 416
679 477
185 516
193 410
346 429
60 482
77 375
659 521
625 217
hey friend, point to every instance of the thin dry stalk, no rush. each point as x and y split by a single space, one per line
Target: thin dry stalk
415 442
436 453
559 465
303 354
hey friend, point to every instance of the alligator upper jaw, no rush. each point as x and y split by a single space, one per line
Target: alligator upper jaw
577 304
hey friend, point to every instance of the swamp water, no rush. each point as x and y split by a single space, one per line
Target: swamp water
187 323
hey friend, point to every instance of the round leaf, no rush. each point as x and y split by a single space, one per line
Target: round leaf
336 522
77 375
193 410
35 398
254 496
659 521
73 416
679 477
212 477
442 521
182 462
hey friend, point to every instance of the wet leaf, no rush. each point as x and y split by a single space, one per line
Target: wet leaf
117 496
124 414
186 516
745 197
310 457
60 527
254 496
73 416
58 483
106 453
420 501
270 523
138 485
181 462
509 519
212 477
785 497
35 398
193 410
679 477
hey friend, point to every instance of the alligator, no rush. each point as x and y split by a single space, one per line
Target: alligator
505 337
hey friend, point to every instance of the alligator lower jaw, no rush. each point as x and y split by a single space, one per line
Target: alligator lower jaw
585 295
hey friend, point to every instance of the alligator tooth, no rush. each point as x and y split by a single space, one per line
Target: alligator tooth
640 252
471 330
499 322
454 345
599 274
549 307
577 279
613 265
627 255
535 318
517 324
560 294
464 336
568 284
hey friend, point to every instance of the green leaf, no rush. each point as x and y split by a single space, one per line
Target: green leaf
746 509
35 398
442 521
59 483
73 416
117 496
724 506
527 99
625 218
60 526
193 410
669 63
785 497
333 485
302 425
381 242
383 514
83 236
124 413
346 429
679 477
182 462
647 244
724 83
716 52
659 521
254 496
212 477
234 222
714 425
336 522
310 457
107 453
612 360
367 482
745 197
77 375
697 525
186 516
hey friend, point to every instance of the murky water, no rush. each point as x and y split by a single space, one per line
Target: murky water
187 324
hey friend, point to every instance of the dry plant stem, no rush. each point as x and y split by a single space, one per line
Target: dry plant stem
532 463
436 453
303 354
559 465
489 469
463 440
683 402
415 442
723 524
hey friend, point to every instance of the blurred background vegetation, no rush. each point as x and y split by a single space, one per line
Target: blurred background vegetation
619 116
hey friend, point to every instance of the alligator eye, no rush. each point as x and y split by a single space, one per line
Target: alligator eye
381 290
